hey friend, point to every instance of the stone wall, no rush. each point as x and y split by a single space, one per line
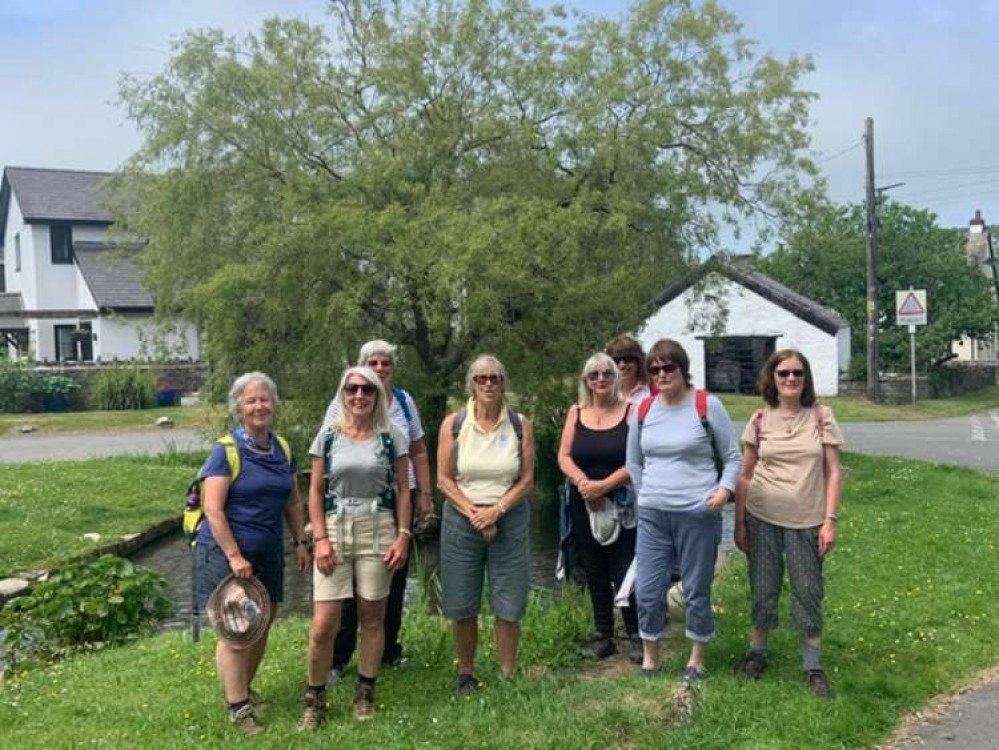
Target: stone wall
951 379
186 376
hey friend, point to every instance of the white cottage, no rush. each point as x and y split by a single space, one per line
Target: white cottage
66 293
730 318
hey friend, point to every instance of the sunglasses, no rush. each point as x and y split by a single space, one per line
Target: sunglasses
782 374
492 379
379 363
667 369
366 388
628 360
595 375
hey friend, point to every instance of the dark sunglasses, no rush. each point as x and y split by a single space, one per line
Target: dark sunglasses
492 379
625 360
667 369
799 374
594 375
366 388
379 363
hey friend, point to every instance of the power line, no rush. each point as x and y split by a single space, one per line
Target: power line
952 172
949 188
838 154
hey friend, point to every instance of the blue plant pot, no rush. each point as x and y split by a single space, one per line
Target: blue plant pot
167 397
55 403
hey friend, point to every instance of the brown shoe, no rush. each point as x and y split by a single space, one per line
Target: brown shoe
364 701
753 666
245 720
314 713
818 683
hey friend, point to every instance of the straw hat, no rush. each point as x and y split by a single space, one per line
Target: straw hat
240 610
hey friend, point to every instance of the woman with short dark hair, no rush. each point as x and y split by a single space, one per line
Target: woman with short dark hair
629 358
787 506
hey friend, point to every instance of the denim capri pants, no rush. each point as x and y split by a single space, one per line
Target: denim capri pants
466 560
211 566
665 537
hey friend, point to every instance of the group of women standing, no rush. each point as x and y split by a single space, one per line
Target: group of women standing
649 462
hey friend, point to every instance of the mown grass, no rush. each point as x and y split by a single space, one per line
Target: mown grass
46 508
854 409
109 421
911 612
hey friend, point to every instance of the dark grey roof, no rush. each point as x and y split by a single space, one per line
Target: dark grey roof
53 195
742 272
10 302
112 277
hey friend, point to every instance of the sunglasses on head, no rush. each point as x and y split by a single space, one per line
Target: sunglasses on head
379 363
667 369
797 373
366 388
594 375
492 379
625 360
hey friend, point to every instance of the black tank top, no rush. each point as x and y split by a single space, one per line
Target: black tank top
599 453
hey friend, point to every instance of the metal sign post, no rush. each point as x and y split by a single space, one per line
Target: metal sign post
910 310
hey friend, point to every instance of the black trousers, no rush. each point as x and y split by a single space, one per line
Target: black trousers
346 637
605 568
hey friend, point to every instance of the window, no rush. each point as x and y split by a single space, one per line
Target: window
3 281
74 343
17 251
62 244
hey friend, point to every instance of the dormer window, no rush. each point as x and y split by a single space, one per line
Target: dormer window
61 238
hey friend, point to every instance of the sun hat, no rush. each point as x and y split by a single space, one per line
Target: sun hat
239 610
605 524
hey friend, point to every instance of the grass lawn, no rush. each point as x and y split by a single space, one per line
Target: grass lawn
853 409
105 421
911 612
45 508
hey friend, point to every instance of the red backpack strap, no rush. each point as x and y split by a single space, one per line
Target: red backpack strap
758 425
653 388
818 413
644 407
701 402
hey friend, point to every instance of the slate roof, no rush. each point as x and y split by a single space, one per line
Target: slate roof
112 277
53 195
742 272
10 302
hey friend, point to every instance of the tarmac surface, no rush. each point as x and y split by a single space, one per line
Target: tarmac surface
60 446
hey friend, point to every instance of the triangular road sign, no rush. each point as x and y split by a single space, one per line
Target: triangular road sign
910 306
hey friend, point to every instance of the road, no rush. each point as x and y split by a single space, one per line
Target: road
78 446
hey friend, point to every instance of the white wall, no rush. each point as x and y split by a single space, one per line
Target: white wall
748 315
60 286
16 281
123 337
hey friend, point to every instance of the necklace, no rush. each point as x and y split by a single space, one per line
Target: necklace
788 419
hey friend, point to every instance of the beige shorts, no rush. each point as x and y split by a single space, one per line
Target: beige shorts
357 561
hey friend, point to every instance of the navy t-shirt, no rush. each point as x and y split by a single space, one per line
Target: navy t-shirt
257 498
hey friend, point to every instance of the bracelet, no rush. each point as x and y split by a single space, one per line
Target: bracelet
321 538
832 517
502 509
303 542
407 532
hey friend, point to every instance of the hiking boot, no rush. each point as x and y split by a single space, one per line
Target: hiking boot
818 683
314 713
753 666
598 647
693 677
257 701
465 685
364 701
336 674
636 653
245 720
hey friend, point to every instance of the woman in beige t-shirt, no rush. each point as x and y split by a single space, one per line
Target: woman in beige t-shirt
786 508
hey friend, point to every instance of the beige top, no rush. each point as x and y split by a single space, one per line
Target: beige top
788 485
487 461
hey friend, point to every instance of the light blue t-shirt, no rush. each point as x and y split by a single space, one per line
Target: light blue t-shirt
670 460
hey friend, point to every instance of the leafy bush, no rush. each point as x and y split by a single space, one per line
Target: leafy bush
87 604
18 382
123 388
53 386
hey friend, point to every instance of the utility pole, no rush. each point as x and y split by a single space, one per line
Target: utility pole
873 362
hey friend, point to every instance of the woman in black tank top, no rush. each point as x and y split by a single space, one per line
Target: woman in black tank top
592 457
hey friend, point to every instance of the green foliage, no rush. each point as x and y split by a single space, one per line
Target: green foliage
824 259
88 604
123 388
18 383
52 386
454 176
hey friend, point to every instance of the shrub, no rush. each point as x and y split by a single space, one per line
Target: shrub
18 382
54 386
123 388
87 604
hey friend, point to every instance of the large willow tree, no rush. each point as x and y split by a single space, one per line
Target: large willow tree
453 176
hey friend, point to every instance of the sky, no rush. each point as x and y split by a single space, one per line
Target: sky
920 68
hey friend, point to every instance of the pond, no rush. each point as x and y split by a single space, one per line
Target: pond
172 557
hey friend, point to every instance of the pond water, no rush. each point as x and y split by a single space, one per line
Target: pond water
172 557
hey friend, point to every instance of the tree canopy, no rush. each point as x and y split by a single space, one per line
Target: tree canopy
454 176
825 259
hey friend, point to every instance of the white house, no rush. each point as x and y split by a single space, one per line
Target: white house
68 293
730 318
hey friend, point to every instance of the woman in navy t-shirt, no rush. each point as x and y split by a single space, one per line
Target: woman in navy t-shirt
244 530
